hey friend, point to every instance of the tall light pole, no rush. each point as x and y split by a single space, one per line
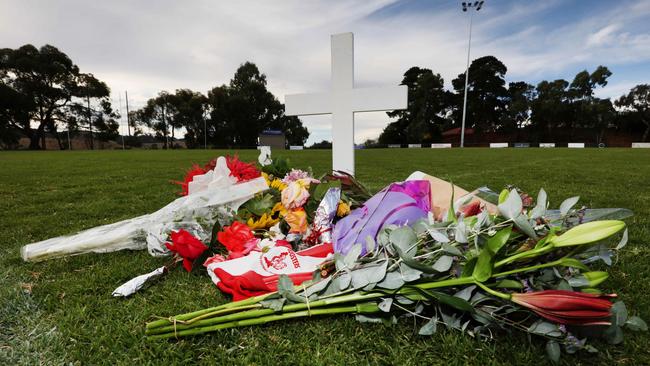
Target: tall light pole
476 5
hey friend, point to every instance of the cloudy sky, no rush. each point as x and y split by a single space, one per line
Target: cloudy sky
148 46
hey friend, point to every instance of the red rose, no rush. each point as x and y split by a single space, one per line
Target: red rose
186 246
237 238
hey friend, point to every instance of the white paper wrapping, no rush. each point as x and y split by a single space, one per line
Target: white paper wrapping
211 196
135 284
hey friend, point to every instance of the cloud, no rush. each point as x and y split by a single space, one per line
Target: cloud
148 46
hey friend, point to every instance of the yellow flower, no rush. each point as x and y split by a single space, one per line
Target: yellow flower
264 222
276 183
279 209
343 209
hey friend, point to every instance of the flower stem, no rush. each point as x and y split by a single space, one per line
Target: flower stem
363 308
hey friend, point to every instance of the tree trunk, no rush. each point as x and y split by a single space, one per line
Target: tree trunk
646 133
33 139
41 133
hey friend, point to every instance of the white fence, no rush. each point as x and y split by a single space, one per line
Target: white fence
547 145
641 145
576 145
296 147
498 145
394 146
415 146
441 146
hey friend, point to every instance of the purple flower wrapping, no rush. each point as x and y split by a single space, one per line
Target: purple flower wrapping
399 204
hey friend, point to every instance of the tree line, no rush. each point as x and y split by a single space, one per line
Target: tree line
42 91
549 111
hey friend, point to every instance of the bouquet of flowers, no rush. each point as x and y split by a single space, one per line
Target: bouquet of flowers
490 262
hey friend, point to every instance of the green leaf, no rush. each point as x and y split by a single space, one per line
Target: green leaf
545 328
443 263
540 207
636 324
451 250
451 212
619 313
509 284
623 241
553 351
260 204
429 328
392 281
588 233
568 203
386 304
503 196
498 240
275 304
483 269
595 278
369 273
414 263
613 334
453 301
573 263
512 206
405 239
286 290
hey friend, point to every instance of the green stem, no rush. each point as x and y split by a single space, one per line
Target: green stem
364 308
526 254
356 297
492 292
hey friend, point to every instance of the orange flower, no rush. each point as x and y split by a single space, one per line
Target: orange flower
297 220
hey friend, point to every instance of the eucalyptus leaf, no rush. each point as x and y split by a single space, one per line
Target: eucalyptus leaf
438 236
623 241
368 274
567 204
392 281
460 233
512 206
443 263
351 257
545 328
370 244
522 223
408 273
429 328
318 286
451 250
386 304
613 334
414 263
274 304
367 319
553 351
636 324
619 313
540 207
506 283
465 293
405 239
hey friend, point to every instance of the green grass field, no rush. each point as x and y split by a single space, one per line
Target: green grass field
61 311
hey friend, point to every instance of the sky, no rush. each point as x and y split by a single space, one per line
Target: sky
147 46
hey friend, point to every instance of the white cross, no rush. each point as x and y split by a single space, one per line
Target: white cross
344 100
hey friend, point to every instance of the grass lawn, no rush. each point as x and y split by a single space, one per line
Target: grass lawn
61 311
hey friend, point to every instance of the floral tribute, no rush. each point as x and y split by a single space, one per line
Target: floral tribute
490 262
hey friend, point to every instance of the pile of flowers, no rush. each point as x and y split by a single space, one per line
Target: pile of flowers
474 270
